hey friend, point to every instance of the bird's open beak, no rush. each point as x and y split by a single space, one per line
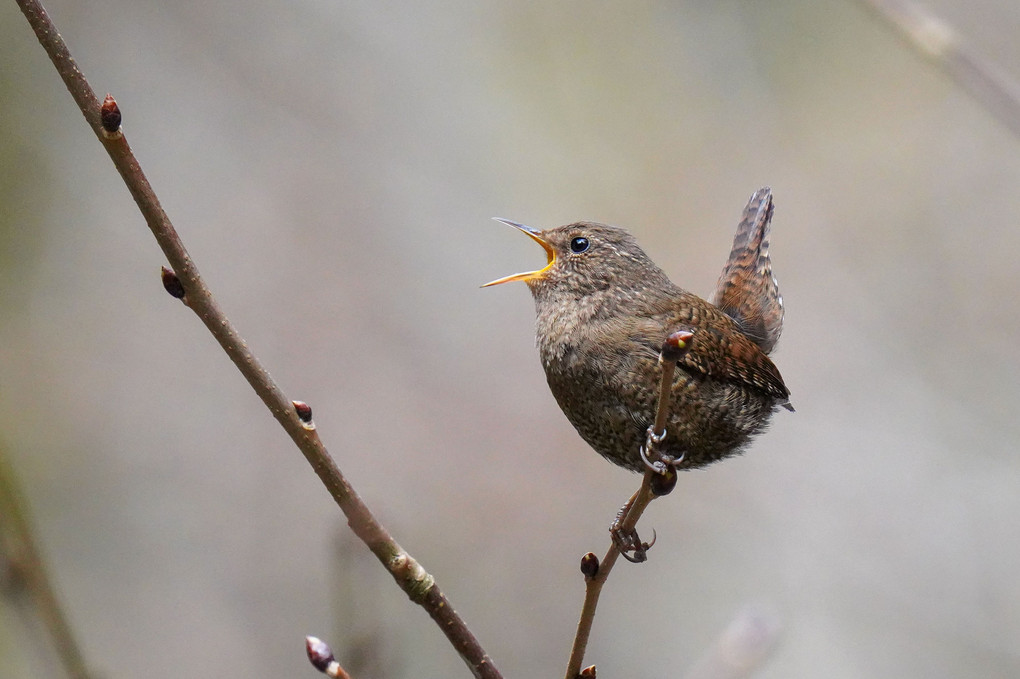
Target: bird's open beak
528 275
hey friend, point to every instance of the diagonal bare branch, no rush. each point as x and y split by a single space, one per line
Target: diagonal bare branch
412 578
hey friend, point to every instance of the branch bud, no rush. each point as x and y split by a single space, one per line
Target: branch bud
304 413
664 483
303 410
321 656
109 116
319 653
589 566
676 345
587 672
172 284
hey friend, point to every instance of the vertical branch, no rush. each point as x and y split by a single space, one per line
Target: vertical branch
594 583
659 479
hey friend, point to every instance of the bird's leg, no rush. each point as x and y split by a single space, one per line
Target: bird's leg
624 509
661 475
626 539
630 546
674 348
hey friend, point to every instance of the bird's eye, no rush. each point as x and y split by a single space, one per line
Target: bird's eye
579 244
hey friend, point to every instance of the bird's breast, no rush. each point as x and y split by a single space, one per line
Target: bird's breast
585 338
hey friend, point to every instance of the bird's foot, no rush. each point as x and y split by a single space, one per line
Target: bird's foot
657 466
651 450
657 461
629 544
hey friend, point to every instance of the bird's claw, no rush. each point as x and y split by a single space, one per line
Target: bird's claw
652 441
657 466
629 544
662 462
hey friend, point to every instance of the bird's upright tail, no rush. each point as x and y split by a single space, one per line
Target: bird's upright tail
747 291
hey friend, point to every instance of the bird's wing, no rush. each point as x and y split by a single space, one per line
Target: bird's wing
716 349
737 358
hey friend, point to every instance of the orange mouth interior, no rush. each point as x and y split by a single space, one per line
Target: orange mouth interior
527 275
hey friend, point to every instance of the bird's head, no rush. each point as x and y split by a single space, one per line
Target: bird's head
586 257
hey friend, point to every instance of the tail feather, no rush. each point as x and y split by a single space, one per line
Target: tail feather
747 291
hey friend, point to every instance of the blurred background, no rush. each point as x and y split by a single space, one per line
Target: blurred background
333 168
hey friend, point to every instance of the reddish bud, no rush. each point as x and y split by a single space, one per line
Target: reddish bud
676 345
319 653
109 115
303 410
664 483
172 284
589 565
587 672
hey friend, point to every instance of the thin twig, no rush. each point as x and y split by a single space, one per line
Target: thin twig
412 578
26 564
676 345
593 586
939 42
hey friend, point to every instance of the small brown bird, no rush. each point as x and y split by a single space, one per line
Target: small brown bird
604 309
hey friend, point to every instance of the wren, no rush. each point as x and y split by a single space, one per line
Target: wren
603 311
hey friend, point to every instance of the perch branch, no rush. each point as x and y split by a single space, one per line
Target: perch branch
593 585
105 120
656 482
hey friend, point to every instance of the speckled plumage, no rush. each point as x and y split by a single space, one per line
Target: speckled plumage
602 316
